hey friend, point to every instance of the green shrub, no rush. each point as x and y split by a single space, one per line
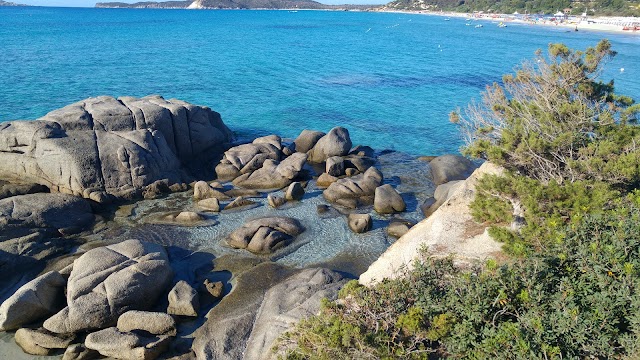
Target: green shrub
579 298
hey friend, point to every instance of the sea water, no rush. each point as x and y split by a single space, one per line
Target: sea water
390 78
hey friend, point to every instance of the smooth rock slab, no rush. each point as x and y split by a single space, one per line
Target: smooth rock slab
265 235
108 281
127 346
35 300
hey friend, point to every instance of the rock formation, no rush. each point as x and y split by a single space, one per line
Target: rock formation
265 235
102 147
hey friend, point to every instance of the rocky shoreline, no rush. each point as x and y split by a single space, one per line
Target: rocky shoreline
135 228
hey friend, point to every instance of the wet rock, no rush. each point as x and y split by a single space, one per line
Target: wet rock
104 147
211 204
240 202
155 323
202 190
450 167
41 341
275 201
246 158
183 300
127 346
388 201
295 191
336 143
108 281
35 300
335 166
26 214
273 175
355 191
188 217
265 235
215 289
324 180
307 140
79 352
298 297
399 227
360 223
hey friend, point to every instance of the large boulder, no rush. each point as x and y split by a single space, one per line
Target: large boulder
360 223
388 201
35 300
307 140
450 167
108 281
449 230
265 235
336 143
41 341
103 147
246 158
296 298
50 213
273 175
155 323
354 191
183 300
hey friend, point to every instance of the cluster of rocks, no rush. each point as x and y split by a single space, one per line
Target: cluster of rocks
126 300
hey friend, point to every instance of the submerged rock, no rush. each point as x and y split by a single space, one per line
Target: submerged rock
102 147
265 235
107 281
240 202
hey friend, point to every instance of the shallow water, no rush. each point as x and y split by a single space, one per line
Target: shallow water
391 79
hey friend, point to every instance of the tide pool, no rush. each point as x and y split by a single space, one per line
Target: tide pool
391 79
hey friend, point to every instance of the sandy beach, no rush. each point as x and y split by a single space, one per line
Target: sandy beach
620 25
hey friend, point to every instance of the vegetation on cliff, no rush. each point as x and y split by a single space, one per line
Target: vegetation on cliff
595 7
571 288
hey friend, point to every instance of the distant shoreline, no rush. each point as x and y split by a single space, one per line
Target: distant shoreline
596 24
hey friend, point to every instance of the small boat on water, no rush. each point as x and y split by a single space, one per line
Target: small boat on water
447 19
479 25
468 24
502 25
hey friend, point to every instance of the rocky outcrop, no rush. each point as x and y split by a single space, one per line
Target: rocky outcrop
354 191
307 140
53 214
450 230
108 281
35 300
265 235
450 167
273 175
104 147
335 143
246 158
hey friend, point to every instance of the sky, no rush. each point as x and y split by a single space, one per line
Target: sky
91 3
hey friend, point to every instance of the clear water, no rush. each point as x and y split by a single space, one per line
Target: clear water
391 79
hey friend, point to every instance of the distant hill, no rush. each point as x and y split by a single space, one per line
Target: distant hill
231 4
6 3
575 7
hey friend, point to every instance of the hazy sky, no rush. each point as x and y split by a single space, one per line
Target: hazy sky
91 3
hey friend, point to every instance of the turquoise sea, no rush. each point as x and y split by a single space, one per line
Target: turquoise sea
391 79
